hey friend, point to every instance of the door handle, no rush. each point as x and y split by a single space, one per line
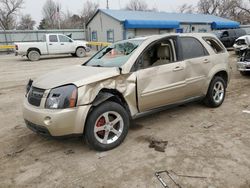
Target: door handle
178 68
62 44
50 44
206 61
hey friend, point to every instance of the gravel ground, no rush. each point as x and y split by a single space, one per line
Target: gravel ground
213 144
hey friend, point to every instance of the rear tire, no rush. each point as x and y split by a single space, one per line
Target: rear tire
80 52
216 92
107 126
33 55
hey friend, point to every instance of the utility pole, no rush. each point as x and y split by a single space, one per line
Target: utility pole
107 4
58 16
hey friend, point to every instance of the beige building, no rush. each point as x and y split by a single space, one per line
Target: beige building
114 25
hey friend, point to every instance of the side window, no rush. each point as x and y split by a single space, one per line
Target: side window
64 39
53 38
160 53
110 36
192 48
215 45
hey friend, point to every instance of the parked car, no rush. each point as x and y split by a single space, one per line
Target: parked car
123 81
52 44
244 63
241 43
228 37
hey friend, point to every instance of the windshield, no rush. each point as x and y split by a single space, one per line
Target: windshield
115 55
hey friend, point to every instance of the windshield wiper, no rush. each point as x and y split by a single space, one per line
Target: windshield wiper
96 66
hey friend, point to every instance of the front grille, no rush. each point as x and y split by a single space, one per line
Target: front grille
35 96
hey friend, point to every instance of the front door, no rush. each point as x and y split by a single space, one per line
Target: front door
53 44
160 76
161 85
67 45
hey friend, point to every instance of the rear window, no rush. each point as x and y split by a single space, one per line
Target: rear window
214 44
192 48
53 38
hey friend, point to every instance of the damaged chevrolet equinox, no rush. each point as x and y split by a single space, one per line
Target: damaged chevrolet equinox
123 81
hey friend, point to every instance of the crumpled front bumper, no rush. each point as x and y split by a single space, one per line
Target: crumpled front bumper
61 122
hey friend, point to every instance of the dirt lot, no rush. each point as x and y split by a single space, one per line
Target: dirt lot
212 143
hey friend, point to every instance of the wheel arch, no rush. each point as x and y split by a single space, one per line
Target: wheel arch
108 95
80 47
222 73
35 49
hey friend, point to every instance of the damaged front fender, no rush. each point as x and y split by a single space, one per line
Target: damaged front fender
124 84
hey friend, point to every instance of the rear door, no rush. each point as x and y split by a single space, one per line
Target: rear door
198 64
160 75
53 44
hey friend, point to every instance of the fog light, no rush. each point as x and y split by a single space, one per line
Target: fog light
47 120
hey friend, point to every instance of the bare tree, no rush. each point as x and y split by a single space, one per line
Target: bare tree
26 23
245 6
51 14
186 8
71 21
8 11
89 9
244 13
137 5
208 6
238 10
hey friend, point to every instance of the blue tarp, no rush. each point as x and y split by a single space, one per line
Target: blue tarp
225 25
151 24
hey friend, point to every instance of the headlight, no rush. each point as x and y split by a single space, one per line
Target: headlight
62 97
28 86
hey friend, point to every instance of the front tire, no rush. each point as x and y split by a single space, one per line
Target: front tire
33 55
107 126
216 92
80 52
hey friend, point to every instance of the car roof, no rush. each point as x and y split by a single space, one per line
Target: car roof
243 37
178 34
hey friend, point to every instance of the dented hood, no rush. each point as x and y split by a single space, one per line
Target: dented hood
78 75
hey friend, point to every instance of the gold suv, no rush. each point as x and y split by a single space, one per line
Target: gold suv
99 98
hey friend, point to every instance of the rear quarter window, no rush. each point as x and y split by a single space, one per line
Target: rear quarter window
192 48
214 44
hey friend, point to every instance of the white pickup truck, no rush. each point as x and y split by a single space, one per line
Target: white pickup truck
50 45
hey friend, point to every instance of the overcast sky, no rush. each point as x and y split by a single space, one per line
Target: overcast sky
34 7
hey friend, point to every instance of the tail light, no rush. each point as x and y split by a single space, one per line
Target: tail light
16 46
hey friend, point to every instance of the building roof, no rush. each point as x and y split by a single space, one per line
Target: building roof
132 16
123 15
